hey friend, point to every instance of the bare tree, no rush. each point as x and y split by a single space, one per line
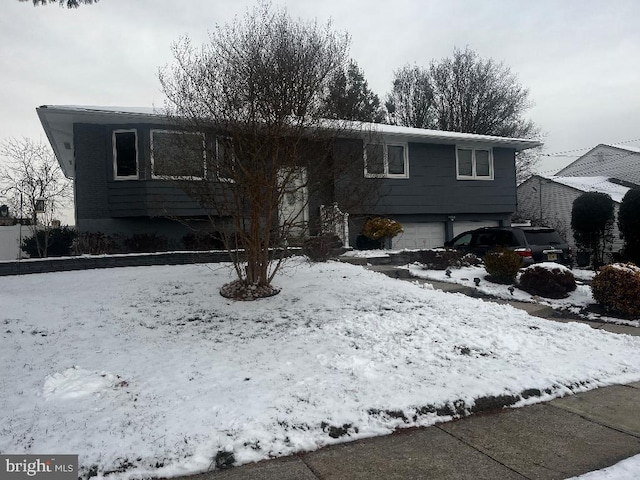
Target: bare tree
251 102
480 96
410 102
34 185
465 93
63 3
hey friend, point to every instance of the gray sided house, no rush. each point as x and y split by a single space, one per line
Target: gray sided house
613 161
549 201
435 183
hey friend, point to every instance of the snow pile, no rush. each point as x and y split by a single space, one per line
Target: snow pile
75 382
625 470
341 353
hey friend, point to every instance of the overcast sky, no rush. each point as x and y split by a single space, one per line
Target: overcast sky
579 59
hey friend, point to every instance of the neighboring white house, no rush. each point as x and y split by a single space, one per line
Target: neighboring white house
617 161
549 200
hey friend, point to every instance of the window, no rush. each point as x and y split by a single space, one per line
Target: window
386 160
225 159
125 154
177 155
474 163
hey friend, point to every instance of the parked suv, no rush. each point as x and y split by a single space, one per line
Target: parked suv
533 244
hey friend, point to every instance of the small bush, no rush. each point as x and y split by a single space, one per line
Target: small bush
94 243
441 259
379 227
145 243
58 243
320 248
502 265
555 282
617 288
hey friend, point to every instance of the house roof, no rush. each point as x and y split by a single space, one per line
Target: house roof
58 121
593 184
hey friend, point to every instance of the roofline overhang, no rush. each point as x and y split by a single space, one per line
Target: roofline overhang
58 121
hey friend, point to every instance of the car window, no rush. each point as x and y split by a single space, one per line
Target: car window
485 238
543 237
463 241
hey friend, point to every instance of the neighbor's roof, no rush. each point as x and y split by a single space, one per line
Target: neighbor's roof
623 147
594 184
58 121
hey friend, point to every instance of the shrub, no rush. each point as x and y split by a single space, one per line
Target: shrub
629 225
94 243
548 281
441 259
145 243
592 216
320 248
502 265
58 243
617 288
379 227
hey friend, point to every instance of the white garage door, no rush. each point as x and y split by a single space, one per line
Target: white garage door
420 235
459 227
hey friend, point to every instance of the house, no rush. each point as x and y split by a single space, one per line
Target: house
435 183
549 200
613 161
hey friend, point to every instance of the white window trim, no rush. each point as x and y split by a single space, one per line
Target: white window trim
385 160
115 155
474 175
217 166
179 177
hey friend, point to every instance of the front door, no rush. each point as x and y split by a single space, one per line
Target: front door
293 212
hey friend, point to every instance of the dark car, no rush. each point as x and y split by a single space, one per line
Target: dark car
533 244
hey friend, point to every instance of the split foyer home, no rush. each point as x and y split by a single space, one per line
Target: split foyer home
435 183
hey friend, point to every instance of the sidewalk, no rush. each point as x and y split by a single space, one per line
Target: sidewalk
553 440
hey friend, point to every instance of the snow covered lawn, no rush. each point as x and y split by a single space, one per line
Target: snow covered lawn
149 370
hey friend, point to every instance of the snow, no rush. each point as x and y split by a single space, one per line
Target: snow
593 184
149 370
625 470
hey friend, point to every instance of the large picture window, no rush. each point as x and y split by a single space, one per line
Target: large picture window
474 163
386 160
125 154
177 155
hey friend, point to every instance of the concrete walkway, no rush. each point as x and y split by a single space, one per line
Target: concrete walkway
553 440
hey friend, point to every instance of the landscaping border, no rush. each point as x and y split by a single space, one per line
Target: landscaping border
86 262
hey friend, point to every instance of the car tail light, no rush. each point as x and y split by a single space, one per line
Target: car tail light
570 252
523 252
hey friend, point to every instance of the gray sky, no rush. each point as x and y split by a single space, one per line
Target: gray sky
579 59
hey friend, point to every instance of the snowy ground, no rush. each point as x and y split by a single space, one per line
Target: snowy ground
147 370
625 470
575 302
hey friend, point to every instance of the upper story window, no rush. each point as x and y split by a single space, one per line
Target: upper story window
388 160
225 159
474 163
177 155
125 154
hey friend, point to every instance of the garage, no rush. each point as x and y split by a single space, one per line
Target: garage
459 227
420 236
